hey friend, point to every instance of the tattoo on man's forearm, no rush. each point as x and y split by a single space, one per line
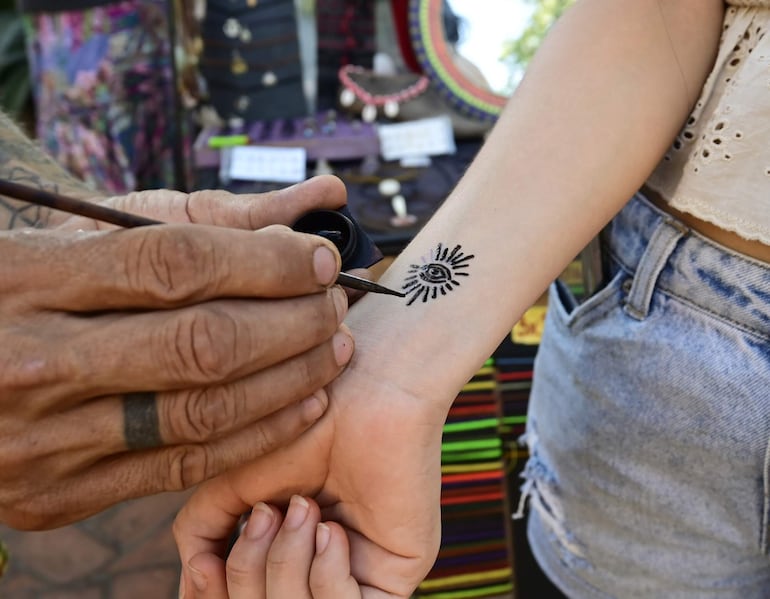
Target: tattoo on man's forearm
437 275
22 161
141 427
15 213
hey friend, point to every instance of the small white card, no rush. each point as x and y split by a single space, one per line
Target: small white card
263 163
423 137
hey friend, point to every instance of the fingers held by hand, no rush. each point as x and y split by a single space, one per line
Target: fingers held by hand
206 576
302 559
246 567
330 576
292 551
203 577
243 576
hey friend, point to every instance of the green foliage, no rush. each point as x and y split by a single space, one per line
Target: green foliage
15 85
519 52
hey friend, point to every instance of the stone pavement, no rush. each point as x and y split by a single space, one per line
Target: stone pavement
123 553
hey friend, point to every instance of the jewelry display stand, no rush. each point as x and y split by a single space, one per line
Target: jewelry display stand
250 59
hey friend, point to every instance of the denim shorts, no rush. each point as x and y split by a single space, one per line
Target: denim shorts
649 421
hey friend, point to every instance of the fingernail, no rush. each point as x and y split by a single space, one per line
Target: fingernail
260 521
198 578
322 536
342 343
298 508
181 587
340 303
325 265
313 407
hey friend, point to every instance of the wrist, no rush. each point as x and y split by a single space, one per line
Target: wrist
397 347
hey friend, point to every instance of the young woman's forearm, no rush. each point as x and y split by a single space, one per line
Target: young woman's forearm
597 109
23 162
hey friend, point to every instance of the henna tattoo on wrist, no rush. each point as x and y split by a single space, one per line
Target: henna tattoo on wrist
141 427
438 274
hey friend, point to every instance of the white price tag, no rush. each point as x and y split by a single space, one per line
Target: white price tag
263 163
423 137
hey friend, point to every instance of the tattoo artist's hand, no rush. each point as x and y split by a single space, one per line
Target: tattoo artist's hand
149 359
373 464
276 557
215 207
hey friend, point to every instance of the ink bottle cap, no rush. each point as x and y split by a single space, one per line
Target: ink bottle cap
356 249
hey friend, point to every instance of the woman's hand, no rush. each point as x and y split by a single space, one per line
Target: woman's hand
373 465
275 557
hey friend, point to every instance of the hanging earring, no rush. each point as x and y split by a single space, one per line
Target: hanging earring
238 66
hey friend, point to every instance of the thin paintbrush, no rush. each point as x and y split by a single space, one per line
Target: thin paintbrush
57 201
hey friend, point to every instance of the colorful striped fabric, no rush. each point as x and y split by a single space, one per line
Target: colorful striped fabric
480 466
475 559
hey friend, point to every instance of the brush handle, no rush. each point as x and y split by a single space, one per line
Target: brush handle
56 201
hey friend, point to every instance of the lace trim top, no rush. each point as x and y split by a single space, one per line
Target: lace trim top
718 168
765 3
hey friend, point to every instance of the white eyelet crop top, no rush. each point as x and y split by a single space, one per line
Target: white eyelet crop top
718 168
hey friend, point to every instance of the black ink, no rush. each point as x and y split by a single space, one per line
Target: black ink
141 427
438 274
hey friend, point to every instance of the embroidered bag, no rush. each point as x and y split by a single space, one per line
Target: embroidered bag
105 98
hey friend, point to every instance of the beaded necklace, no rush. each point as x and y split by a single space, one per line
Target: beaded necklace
352 91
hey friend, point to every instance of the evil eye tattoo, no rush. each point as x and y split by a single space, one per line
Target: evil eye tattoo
438 274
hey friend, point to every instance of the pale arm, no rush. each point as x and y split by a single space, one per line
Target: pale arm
602 101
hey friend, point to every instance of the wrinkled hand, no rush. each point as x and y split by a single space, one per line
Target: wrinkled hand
373 464
144 360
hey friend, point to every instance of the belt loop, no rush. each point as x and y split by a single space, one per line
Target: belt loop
660 246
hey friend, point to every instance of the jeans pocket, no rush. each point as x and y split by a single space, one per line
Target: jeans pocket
573 313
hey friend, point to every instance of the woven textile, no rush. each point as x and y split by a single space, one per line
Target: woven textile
251 59
104 92
346 35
